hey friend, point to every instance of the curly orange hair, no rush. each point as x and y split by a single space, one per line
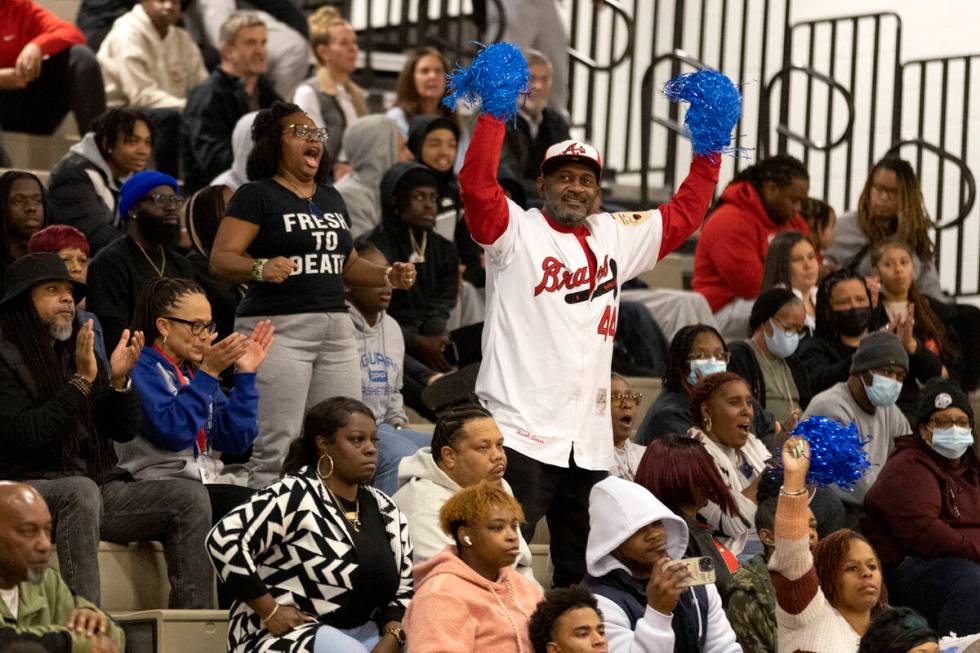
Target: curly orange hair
473 504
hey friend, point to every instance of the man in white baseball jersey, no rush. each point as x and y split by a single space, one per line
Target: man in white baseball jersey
553 284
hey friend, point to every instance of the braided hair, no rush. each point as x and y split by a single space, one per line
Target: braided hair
157 297
49 365
781 169
911 223
828 562
449 428
825 312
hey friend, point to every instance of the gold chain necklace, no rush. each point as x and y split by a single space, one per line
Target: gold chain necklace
163 256
296 190
352 516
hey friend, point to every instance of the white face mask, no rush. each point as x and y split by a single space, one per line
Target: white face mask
883 391
706 367
781 343
953 442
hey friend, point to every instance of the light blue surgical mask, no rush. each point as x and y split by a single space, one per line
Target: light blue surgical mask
707 367
781 343
952 442
883 391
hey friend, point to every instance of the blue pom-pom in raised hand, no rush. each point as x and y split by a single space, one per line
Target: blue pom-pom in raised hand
837 455
715 108
495 79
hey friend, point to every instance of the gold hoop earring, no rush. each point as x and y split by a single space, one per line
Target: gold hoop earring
707 424
318 462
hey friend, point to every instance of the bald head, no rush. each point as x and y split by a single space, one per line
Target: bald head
25 534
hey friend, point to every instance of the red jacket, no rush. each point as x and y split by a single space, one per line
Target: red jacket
920 507
733 244
23 22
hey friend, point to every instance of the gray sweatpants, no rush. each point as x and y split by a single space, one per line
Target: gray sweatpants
313 357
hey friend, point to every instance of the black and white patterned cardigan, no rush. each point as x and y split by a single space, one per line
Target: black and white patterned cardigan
291 541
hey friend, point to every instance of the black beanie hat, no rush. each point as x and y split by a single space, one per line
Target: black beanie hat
768 304
940 394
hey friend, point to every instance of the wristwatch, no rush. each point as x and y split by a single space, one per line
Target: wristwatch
397 633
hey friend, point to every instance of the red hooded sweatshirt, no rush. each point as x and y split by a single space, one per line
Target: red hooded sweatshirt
23 22
919 506
733 244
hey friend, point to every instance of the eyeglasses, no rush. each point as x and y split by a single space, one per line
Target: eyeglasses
22 201
945 423
166 201
197 328
307 133
790 328
622 397
700 355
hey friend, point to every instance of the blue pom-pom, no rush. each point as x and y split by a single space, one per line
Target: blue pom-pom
837 455
495 79
715 107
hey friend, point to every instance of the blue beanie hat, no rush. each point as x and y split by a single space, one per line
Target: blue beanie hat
137 186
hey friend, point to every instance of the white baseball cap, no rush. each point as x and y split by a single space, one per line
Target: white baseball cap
571 151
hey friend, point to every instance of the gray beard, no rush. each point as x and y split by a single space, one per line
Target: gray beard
60 332
566 217
35 576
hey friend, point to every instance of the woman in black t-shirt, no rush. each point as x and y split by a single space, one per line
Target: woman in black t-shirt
289 235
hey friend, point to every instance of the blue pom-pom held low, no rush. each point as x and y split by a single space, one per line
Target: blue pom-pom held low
837 455
715 107
495 80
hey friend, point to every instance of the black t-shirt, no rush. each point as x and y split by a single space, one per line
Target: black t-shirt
313 234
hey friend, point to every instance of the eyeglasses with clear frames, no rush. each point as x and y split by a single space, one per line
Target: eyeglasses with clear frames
197 328
945 423
307 133
621 398
166 201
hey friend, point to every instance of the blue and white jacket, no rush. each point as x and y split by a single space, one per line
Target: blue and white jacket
173 414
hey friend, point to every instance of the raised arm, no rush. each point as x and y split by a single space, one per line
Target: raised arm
685 211
484 202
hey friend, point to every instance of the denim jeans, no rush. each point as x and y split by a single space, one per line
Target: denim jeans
175 512
352 640
313 357
394 444
943 590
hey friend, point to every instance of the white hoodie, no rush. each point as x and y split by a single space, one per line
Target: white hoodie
617 510
423 489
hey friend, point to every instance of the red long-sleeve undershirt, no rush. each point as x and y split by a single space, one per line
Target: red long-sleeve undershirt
23 22
486 205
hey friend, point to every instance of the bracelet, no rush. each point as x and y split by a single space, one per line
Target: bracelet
80 383
388 274
794 493
257 266
126 388
265 620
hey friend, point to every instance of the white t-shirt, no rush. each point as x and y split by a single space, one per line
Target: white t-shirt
12 598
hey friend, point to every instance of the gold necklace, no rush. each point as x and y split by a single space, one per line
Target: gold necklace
297 190
352 516
163 256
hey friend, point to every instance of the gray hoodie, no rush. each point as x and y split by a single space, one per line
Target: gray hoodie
423 489
617 510
241 147
381 351
371 144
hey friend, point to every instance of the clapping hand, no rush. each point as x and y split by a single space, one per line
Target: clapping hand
219 356
257 347
124 357
86 365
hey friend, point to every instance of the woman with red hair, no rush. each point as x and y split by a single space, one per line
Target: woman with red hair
825 600
680 472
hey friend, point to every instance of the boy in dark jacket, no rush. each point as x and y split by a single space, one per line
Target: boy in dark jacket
409 192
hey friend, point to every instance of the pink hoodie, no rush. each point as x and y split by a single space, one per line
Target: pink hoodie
456 609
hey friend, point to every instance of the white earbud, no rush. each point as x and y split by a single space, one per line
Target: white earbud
467 541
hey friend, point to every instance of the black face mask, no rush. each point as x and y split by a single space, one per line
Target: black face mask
853 321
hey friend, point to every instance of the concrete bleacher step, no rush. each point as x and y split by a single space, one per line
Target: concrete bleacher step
175 631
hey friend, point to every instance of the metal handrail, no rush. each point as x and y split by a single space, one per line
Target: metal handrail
967 177
783 128
591 63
